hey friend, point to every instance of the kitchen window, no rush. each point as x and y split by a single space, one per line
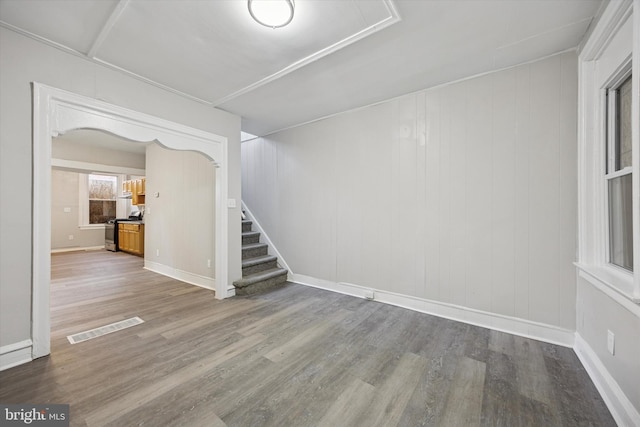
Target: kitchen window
98 199
618 174
102 198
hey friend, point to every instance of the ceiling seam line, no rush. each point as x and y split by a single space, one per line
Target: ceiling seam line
372 29
107 27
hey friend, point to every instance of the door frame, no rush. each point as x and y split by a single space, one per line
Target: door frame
56 112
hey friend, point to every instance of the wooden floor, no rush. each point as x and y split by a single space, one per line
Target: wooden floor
296 356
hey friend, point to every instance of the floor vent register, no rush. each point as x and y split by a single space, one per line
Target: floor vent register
104 330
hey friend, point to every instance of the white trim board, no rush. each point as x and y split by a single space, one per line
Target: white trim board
620 406
77 249
597 279
15 354
183 276
512 325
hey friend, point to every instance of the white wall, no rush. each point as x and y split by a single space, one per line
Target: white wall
65 194
463 194
619 373
180 222
22 61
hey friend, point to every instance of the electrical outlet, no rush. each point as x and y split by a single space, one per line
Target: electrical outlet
70 236
611 342
368 294
67 210
157 252
209 263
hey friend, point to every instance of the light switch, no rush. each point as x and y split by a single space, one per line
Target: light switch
67 210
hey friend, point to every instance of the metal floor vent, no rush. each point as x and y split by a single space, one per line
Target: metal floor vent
104 330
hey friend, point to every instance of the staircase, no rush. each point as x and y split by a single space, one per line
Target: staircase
260 270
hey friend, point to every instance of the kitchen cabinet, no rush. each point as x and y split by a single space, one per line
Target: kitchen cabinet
135 188
140 184
131 238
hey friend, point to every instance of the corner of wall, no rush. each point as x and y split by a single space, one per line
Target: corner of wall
621 407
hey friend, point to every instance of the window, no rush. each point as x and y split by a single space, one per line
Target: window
103 193
619 173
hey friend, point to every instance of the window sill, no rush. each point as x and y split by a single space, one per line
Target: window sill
616 283
91 227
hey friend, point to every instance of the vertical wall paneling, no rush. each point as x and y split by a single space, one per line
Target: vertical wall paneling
456 173
478 186
351 157
404 216
420 194
568 174
503 197
523 146
544 190
433 190
186 206
458 195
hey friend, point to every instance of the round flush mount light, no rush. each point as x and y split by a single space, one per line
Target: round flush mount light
271 13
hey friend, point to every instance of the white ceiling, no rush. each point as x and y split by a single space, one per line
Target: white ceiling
335 55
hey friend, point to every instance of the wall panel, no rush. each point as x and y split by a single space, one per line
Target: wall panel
459 194
180 223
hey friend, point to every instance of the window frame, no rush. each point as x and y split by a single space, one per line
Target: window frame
611 49
83 195
610 105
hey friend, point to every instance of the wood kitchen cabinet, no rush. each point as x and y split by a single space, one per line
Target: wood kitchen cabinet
131 238
136 188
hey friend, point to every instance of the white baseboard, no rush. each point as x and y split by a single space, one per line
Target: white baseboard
77 248
513 325
15 354
231 291
618 403
183 276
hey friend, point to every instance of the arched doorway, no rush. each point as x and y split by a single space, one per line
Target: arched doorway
55 112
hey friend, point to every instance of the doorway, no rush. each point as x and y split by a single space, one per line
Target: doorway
57 112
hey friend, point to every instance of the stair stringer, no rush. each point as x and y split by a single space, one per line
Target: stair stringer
265 238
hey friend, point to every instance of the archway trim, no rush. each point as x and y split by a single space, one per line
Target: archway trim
56 112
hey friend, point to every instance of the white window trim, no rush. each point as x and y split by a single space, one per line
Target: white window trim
83 197
609 104
593 244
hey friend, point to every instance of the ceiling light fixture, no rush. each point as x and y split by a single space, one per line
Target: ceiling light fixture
271 13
